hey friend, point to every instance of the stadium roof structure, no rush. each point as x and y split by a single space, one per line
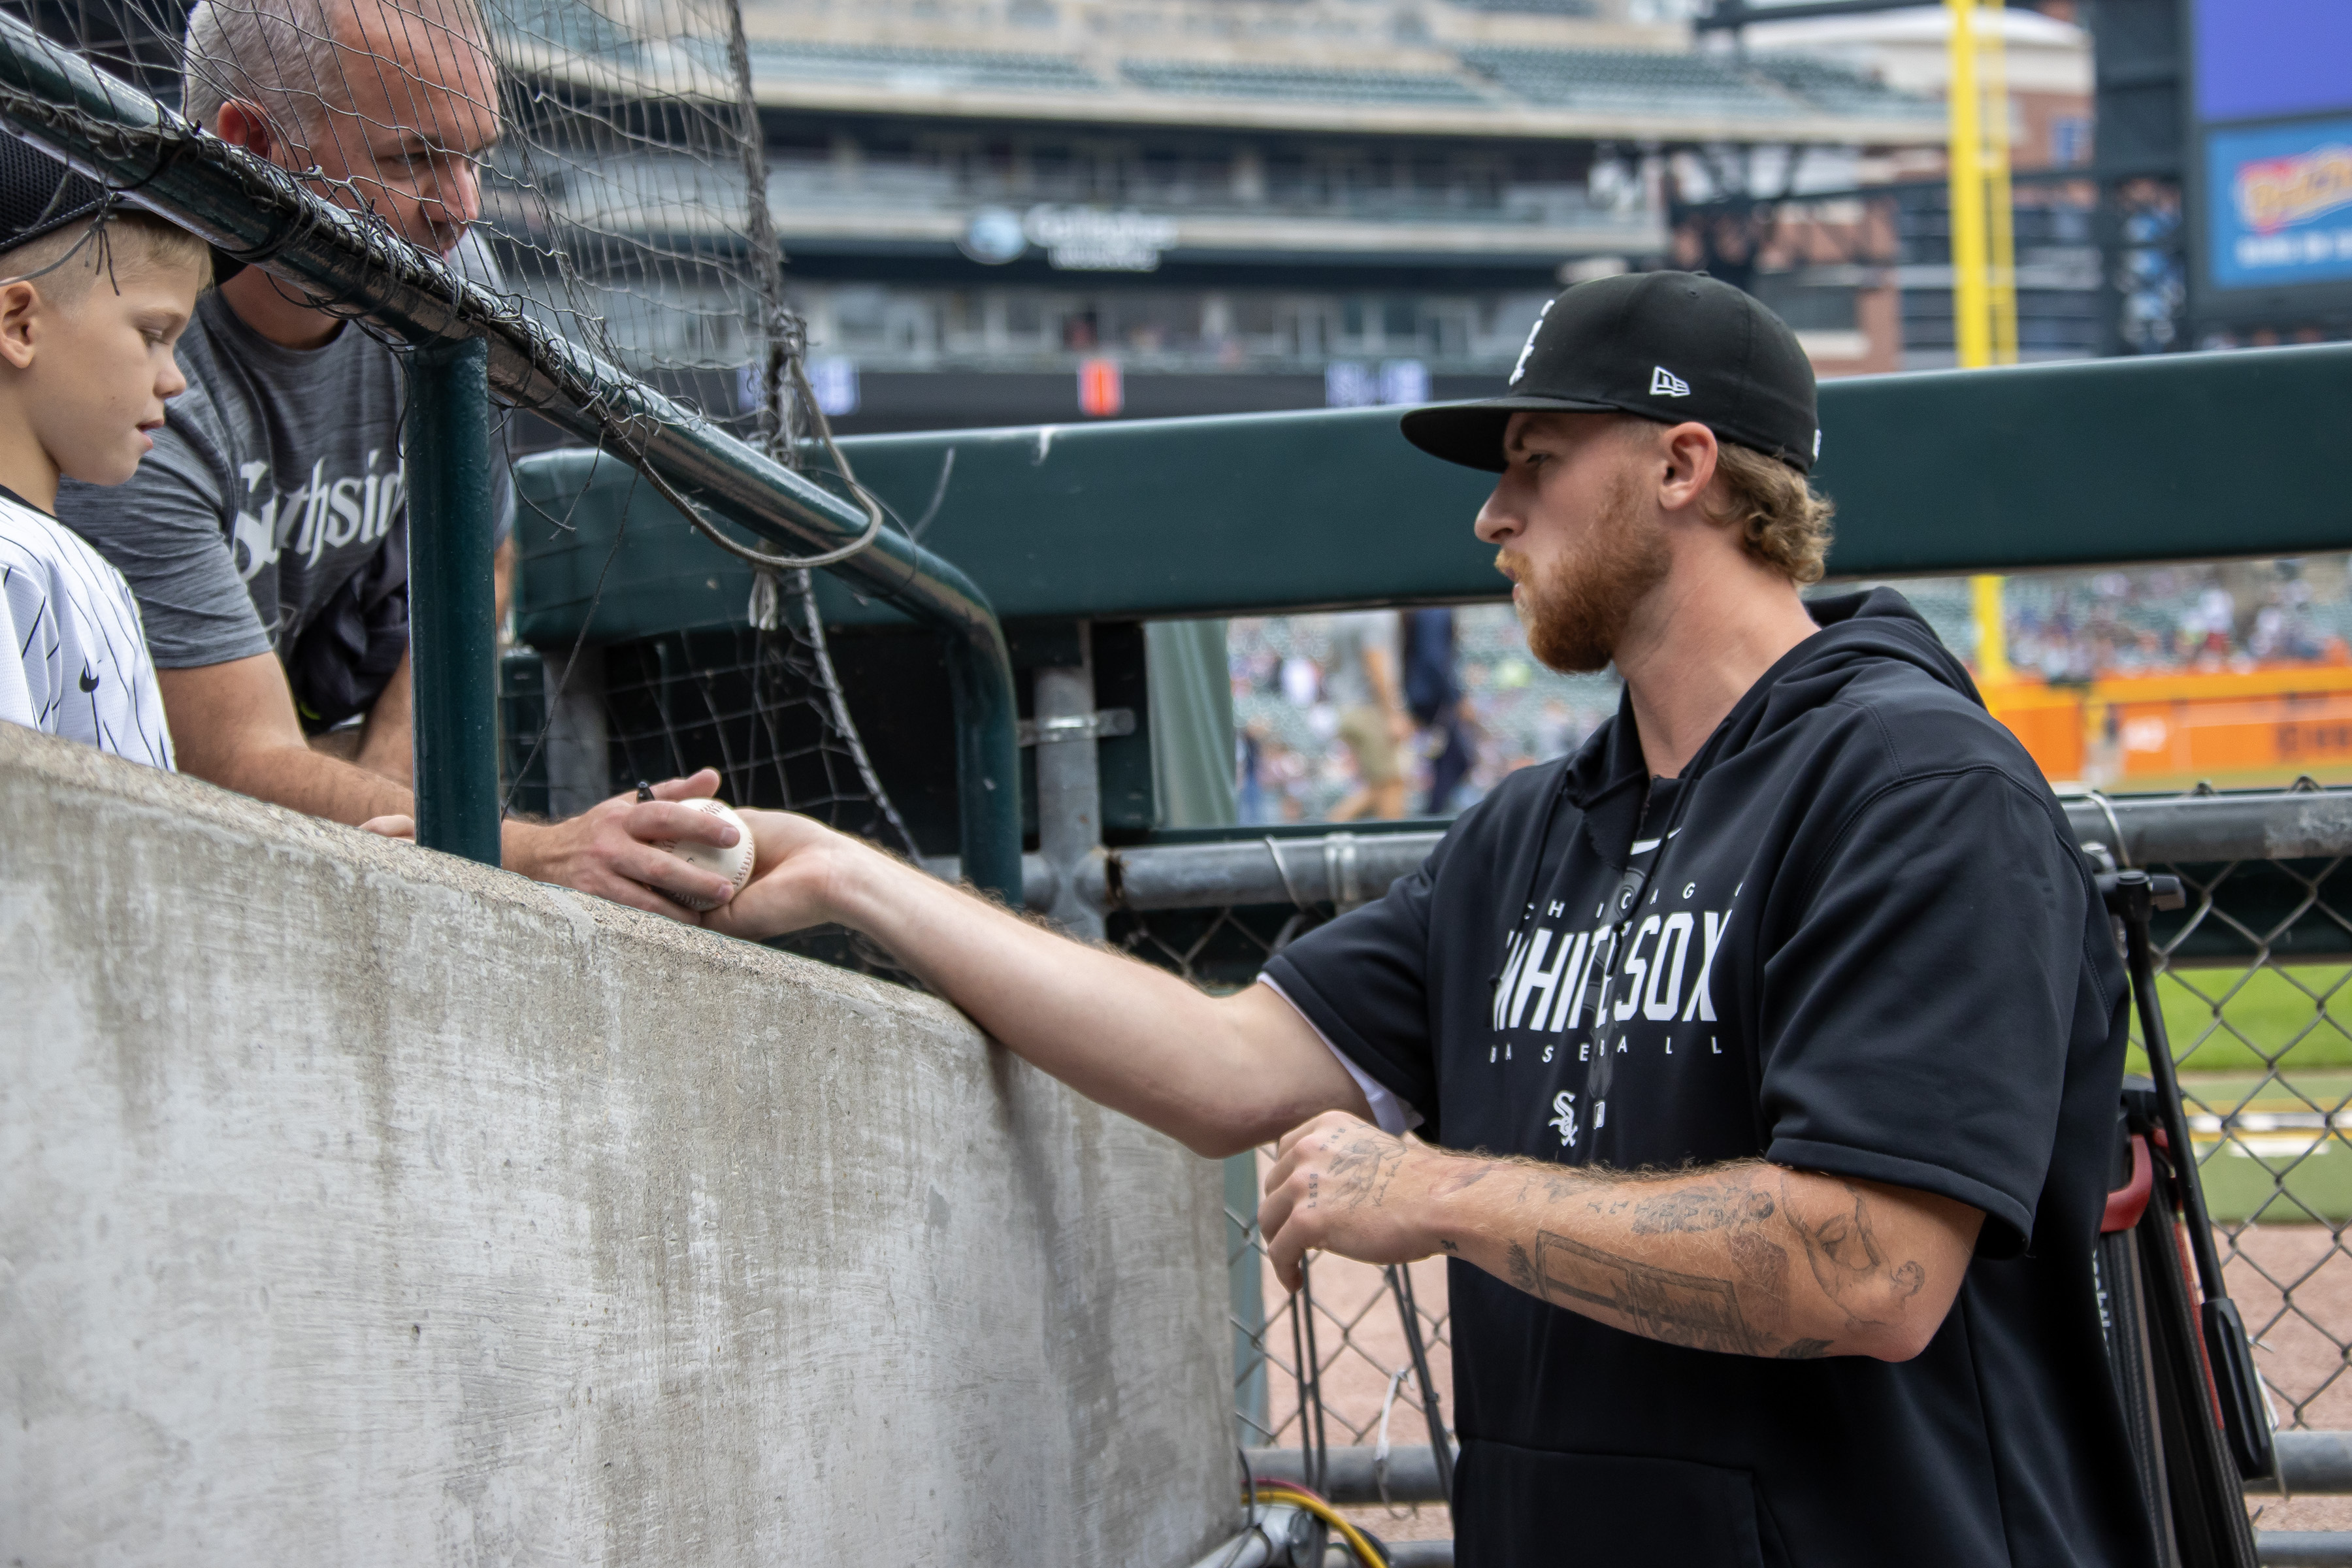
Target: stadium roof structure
1472 91
1496 68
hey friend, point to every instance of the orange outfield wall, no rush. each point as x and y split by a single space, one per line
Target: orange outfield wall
2155 729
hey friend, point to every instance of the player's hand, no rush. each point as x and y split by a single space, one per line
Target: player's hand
394 826
1340 1184
609 849
792 878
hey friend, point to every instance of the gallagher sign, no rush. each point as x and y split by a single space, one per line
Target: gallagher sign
1089 239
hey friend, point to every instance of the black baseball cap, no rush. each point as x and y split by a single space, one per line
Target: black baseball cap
39 196
1668 347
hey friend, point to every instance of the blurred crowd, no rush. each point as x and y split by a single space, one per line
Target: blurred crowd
1390 713
2208 618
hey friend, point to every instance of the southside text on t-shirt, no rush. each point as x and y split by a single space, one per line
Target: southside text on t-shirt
1864 942
275 482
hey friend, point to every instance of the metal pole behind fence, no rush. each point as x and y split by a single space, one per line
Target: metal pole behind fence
1069 785
452 634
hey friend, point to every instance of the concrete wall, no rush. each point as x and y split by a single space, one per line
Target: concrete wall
360 1206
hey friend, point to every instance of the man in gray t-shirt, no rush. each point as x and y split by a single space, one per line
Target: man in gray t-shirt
266 534
275 487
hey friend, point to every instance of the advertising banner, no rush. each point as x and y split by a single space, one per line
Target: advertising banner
2279 204
2270 176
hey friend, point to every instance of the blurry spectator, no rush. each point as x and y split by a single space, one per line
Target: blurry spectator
1249 774
1286 773
1433 694
1362 682
1302 682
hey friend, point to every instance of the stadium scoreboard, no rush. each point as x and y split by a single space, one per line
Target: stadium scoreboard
2269 106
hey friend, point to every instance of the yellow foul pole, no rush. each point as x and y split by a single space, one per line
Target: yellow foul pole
1984 264
2001 272
1971 297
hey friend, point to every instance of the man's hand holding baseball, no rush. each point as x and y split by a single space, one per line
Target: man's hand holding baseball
612 849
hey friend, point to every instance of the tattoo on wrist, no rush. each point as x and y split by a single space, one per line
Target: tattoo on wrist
1523 1272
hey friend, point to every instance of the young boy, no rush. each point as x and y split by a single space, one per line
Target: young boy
93 296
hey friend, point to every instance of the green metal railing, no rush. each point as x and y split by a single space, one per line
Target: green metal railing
257 213
451 535
2178 457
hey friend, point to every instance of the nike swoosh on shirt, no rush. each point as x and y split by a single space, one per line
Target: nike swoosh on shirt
88 678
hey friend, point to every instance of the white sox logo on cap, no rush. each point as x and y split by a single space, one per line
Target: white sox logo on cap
1665 383
1520 369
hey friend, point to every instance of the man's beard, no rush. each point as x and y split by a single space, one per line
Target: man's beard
1577 611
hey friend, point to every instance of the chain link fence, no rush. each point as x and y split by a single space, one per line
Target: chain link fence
2254 990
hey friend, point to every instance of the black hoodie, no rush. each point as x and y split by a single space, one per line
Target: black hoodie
1867 945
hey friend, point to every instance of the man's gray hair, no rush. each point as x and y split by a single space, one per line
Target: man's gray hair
277 54
285 55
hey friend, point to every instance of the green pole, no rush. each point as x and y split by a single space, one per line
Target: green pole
452 634
988 759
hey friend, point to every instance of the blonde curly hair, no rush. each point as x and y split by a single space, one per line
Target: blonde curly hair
1782 523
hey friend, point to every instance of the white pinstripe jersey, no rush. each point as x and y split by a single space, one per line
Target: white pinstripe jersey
81 669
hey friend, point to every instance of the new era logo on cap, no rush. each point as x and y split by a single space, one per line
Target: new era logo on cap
1665 383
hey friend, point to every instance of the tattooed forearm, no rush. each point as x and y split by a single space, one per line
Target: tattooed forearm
1714 1269
1849 1264
1659 1304
1718 1205
1523 1272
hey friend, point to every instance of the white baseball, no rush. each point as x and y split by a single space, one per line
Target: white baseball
734 863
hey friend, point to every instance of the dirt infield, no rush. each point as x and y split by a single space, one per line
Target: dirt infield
2297 1346
2298 1352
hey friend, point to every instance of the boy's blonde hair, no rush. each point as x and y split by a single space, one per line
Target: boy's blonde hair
64 264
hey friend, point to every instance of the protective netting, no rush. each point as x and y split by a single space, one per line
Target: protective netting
600 171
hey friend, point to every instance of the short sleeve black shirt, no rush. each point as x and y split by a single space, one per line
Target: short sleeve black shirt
1860 940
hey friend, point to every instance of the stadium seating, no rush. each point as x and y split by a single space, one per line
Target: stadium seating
1633 81
1535 7
1837 89
564 25
955 70
1200 79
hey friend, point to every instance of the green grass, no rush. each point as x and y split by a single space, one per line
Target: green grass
2266 1041
2222 1020
2280 1178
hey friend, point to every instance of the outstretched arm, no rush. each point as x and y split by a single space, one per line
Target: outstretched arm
1747 1257
1219 1074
